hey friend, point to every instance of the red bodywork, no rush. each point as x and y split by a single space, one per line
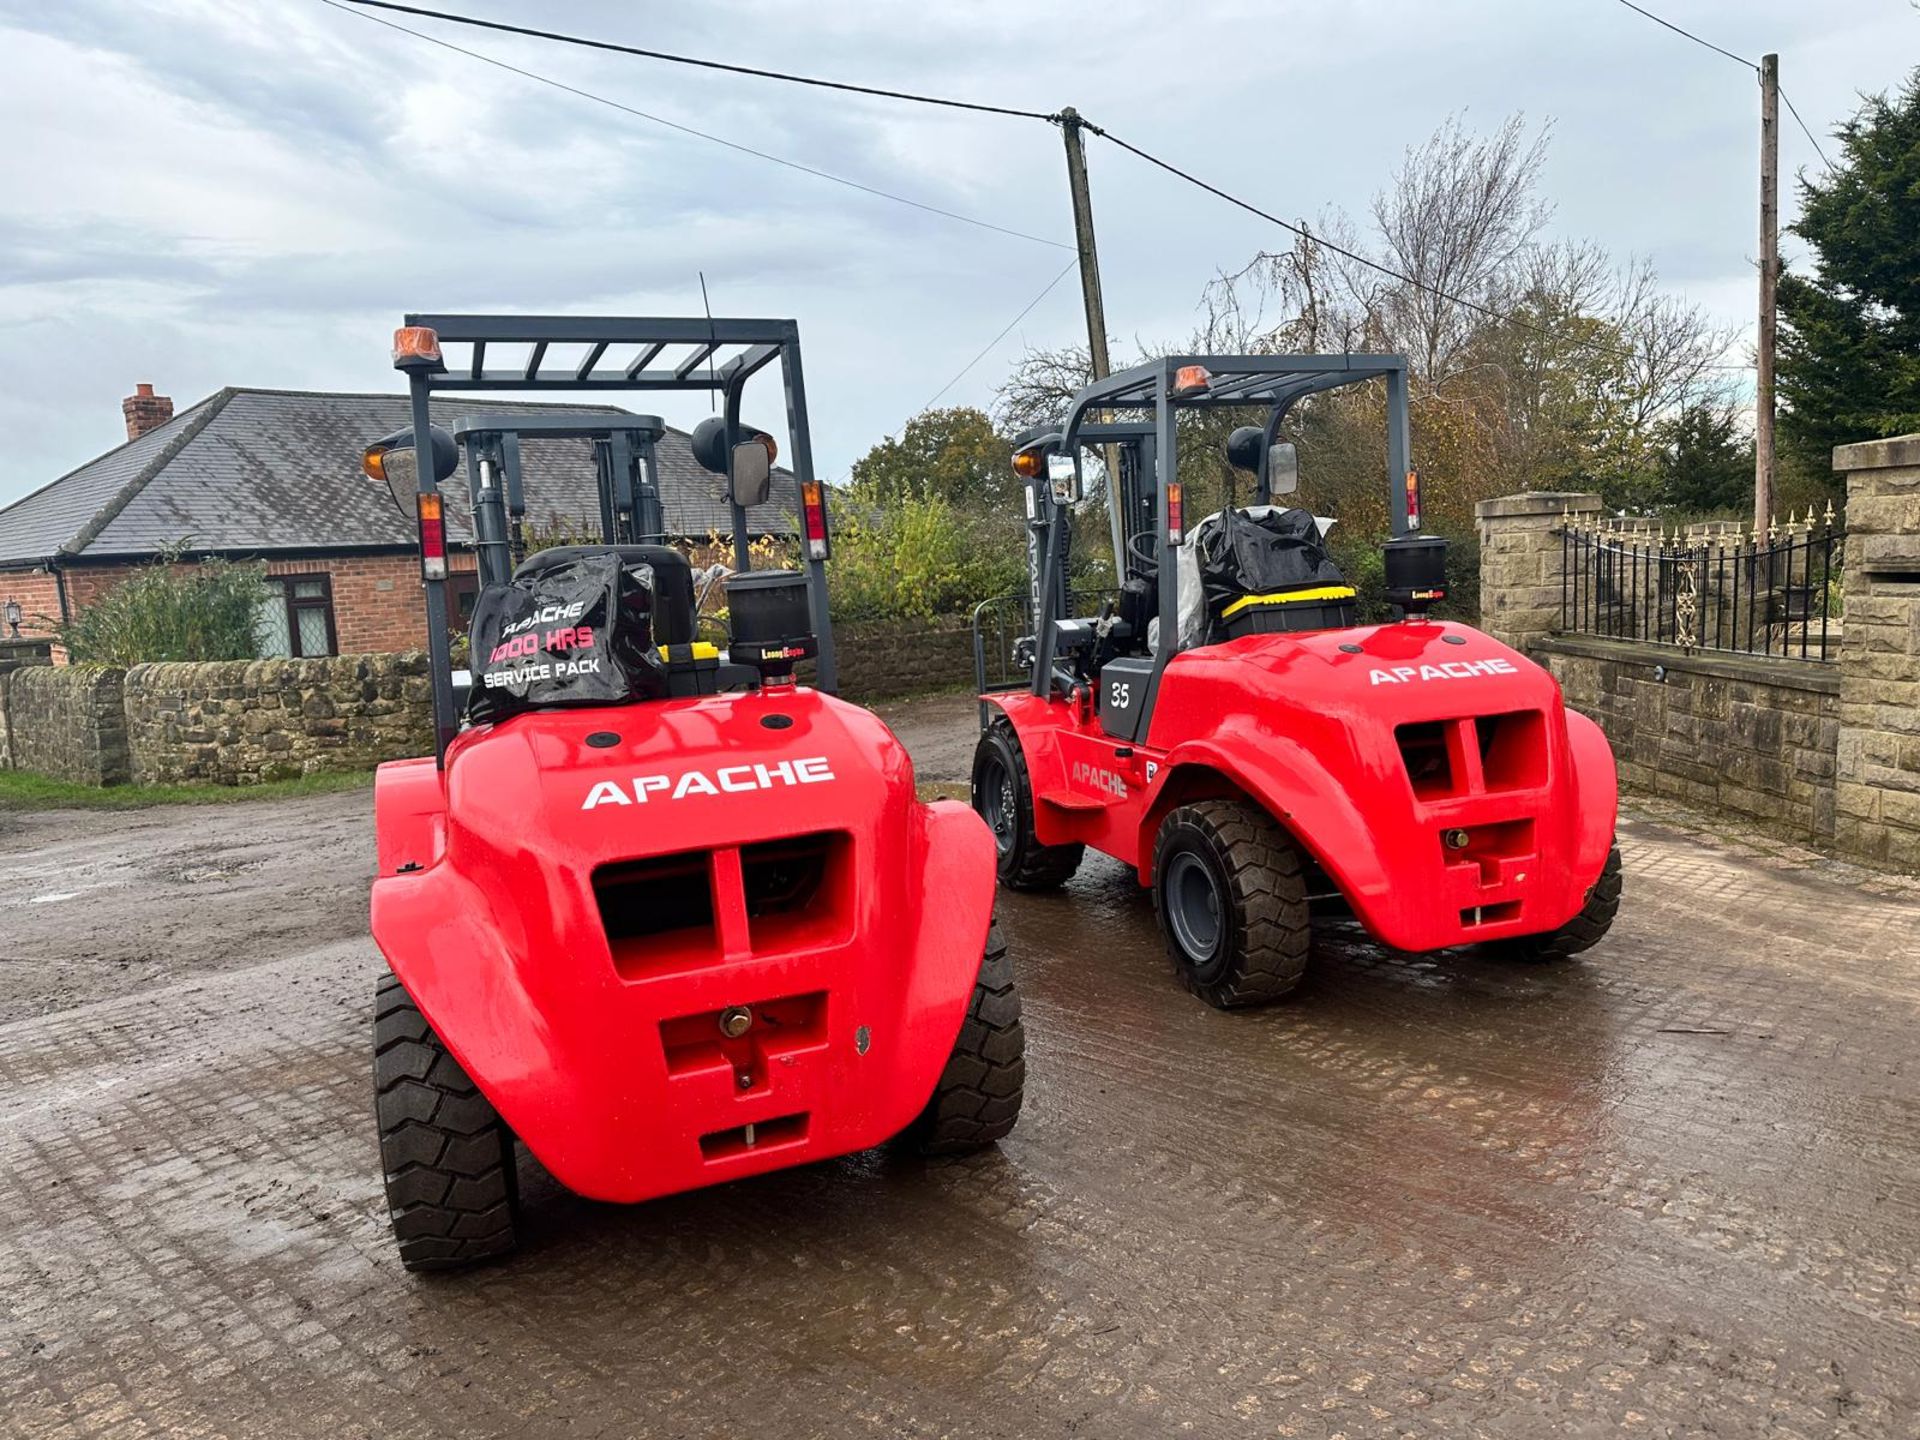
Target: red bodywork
573 914
1369 745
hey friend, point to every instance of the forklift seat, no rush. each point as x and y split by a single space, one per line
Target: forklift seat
1196 623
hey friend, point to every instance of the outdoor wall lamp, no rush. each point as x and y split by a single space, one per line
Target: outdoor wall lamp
14 615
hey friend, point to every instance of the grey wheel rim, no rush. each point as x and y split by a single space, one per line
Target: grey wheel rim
1195 908
998 805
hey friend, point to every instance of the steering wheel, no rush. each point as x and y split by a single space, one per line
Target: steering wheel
1143 546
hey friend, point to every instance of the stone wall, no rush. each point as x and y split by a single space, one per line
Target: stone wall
1746 734
68 722
243 721
1878 789
1521 561
1832 750
882 659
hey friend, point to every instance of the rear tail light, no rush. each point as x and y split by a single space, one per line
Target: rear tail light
1176 515
813 507
433 536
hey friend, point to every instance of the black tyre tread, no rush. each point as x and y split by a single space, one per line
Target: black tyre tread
1031 866
1267 893
1584 930
977 1098
447 1158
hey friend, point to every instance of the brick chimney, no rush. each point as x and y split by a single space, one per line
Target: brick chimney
145 411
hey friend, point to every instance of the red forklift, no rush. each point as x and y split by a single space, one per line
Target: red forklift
1224 728
652 908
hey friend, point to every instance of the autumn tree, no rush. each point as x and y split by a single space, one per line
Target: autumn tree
951 455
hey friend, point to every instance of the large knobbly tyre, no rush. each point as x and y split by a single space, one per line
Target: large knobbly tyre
448 1158
1003 797
977 1098
1582 932
1232 896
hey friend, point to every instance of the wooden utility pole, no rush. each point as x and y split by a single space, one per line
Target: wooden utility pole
1097 358
1769 281
1070 123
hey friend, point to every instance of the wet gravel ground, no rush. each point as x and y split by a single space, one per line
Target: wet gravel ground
1667 1189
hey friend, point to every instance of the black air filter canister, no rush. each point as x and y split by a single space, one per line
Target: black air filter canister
1416 571
770 623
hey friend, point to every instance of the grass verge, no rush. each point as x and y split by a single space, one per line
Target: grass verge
22 791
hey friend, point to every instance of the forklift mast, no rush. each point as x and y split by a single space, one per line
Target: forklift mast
626 467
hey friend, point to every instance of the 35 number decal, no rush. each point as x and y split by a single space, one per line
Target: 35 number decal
1120 694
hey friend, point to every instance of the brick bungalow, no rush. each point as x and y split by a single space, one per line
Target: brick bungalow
274 475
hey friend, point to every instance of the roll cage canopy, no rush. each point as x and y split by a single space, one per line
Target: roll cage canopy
1276 382
596 354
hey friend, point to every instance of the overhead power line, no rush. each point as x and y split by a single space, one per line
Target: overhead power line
1487 311
1737 59
1794 111
360 8
350 9
1025 311
591 44
1740 59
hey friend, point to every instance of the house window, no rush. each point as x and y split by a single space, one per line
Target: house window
297 619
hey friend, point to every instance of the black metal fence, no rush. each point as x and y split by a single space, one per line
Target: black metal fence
1710 588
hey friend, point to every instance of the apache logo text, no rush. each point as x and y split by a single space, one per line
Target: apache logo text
1452 670
727 780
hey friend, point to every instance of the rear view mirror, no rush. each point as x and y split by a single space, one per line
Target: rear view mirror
750 474
1283 468
1064 476
398 470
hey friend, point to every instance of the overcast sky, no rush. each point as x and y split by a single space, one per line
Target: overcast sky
250 192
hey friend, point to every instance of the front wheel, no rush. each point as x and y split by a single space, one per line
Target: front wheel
1232 895
1583 932
448 1158
1003 797
977 1098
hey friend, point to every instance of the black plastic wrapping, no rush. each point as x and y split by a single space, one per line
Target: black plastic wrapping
1259 555
573 627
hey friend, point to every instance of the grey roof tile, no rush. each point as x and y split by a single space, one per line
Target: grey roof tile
255 471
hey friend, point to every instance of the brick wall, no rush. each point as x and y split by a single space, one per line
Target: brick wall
66 721
238 722
377 604
39 596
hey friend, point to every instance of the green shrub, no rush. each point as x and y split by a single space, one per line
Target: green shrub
171 611
919 556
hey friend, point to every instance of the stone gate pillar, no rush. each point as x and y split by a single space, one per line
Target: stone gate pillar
1877 789
1520 561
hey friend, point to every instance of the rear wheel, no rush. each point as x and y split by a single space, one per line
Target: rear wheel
1003 796
1582 932
977 1099
1232 895
452 1194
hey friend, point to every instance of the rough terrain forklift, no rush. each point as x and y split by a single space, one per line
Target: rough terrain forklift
1224 728
652 908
